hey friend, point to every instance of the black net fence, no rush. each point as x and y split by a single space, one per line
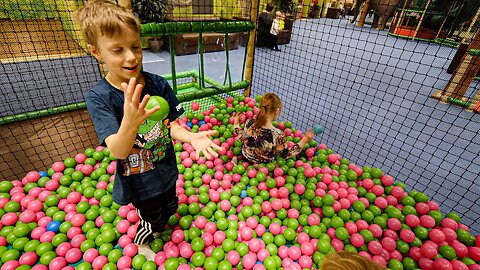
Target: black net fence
372 91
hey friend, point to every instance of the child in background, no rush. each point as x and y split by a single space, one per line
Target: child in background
146 166
281 21
348 261
261 141
276 28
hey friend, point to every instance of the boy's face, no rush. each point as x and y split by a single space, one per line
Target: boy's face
122 54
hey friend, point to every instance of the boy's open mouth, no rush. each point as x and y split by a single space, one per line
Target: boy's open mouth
131 68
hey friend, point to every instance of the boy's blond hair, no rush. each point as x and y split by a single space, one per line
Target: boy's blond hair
348 261
278 13
101 17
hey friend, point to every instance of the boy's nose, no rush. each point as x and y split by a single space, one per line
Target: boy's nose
129 56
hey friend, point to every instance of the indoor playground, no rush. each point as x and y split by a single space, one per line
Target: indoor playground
390 88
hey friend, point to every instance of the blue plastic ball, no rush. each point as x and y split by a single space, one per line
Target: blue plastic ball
200 123
243 194
43 174
317 129
189 124
53 226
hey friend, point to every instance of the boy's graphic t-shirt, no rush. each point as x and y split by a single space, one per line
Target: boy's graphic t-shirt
150 168
152 140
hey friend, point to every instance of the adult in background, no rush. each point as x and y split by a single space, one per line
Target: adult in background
265 20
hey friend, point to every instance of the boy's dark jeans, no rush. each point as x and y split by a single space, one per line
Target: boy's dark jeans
154 214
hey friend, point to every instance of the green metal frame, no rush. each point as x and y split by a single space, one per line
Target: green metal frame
184 94
175 28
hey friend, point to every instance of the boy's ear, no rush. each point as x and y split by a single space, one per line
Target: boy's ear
94 51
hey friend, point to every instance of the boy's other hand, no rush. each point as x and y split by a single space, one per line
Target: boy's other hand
203 144
134 110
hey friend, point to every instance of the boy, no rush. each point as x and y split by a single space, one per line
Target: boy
146 170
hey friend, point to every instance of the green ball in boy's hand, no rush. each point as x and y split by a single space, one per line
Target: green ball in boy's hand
162 112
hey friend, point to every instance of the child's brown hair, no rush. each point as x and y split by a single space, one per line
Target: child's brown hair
269 105
348 261
101 17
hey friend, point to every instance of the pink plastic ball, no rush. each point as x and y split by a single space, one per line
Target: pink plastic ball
207 238
211 227
200 222
40 267
171 250
124 240
460 249
307 249
122 226
177 236
125 262
130 250
10 265
389 243
73 255
357 240
260 230
442 264
37 232
249 260
233 257
412 220
219 236
185 250
436 235
90 255
375 247
28 258
9 219
305 261
337 244
427 221
132 216
57 263
32 176
428 250
47 237
449 223
407 235
458 265
262 254
246 233
99 262
274 228
28 216
254 245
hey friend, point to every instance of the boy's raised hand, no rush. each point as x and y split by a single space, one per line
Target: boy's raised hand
133 110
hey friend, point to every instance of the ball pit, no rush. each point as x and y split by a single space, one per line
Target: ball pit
287 213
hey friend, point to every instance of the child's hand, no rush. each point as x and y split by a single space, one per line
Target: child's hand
309 135
203 144
237 118
133 110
